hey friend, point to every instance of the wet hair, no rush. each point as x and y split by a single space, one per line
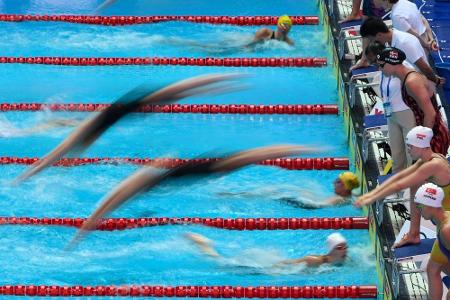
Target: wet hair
393 1
372 26
374 48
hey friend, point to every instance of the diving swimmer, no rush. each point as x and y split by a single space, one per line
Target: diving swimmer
92 128
148 177
337 251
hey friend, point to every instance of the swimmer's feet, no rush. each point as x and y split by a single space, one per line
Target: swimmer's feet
406 240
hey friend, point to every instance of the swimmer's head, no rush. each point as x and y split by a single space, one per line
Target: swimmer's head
428 196
388 58
350 180
284 23
337 246
345 183
418 139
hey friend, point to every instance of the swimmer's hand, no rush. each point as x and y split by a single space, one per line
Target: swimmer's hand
433 46
363 201
361 63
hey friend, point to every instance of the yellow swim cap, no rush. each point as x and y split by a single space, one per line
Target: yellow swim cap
349 180
285 20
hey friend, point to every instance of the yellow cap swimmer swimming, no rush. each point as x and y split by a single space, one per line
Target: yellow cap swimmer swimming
349 180
285 20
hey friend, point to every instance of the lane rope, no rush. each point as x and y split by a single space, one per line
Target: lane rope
294 109
131 20
363 291
112 224
174 61
327 163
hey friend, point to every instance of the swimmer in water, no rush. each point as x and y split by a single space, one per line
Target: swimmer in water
337 251
284 25
8 130
93 127
343 186
148 177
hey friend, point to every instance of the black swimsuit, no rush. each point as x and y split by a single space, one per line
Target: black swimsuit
272 37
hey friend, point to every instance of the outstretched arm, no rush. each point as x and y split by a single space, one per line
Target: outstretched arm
399 183
310 261
394 178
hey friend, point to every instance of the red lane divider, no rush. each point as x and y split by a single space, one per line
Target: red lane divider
175 61
111 224
131 20
363 291
297 109
327 163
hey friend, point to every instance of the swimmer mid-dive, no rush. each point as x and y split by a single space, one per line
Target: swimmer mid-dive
90 129
337 251
148 177
306 199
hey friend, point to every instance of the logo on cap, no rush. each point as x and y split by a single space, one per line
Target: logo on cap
393 54
431 191
421 136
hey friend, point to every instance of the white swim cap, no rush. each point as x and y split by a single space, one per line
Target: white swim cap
335 239
429 194
419 137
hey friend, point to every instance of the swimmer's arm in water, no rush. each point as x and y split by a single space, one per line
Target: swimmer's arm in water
238 194
310 261
260 35
53 124
289 41
203 243
299 204
336 200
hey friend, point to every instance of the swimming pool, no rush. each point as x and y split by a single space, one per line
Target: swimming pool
161 255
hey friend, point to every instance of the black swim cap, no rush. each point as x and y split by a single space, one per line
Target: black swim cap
392 56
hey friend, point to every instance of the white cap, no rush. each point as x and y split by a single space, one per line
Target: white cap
429 194
419 137
335 239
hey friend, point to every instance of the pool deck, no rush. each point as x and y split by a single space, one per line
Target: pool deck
387 225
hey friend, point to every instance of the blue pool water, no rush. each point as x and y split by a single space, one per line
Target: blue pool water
161 255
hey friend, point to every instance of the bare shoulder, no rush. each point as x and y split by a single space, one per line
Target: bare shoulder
445 231
431 166
264 32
